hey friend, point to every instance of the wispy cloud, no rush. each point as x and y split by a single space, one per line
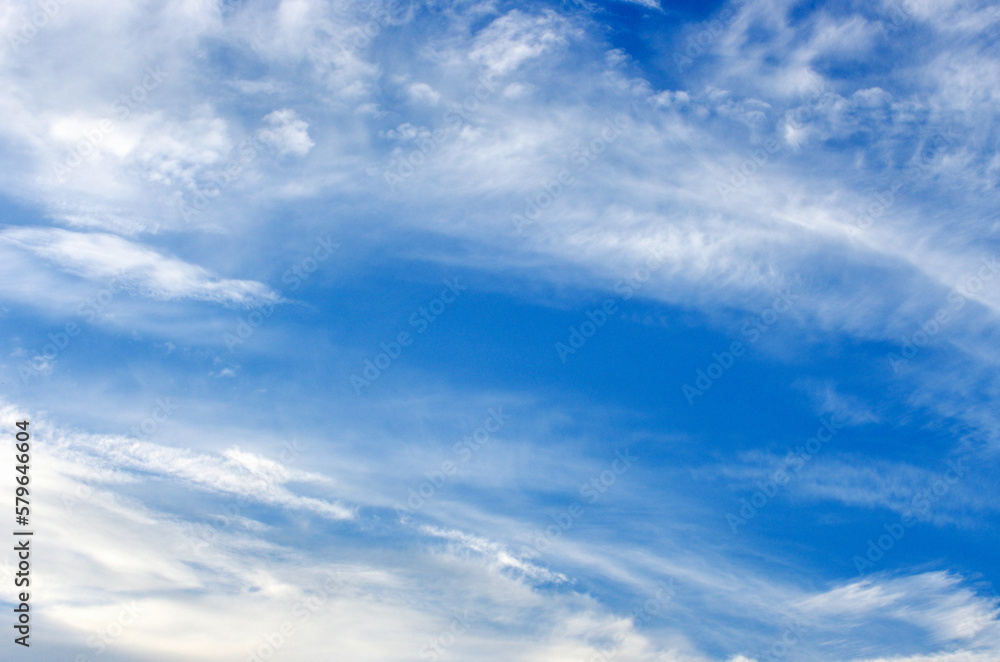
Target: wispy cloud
99 257
846 153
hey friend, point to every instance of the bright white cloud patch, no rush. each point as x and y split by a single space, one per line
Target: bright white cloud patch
100 257
288 134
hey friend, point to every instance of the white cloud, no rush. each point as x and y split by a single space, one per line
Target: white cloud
101 257
288 134
933 601
515 39
423 93
498 553
652 4
656 187
190 586
960 656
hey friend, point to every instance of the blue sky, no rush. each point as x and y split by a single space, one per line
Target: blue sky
492 331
